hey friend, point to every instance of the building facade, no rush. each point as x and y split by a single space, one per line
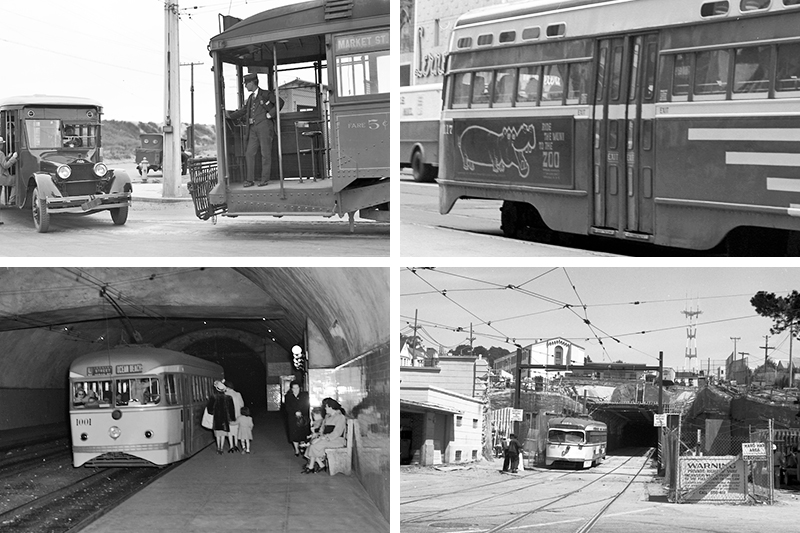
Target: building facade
556 351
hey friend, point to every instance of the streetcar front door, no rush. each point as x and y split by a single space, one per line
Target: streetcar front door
624 155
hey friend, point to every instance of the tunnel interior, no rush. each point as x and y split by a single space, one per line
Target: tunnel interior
629 426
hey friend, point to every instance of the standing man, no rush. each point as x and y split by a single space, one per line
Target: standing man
259 111
6 179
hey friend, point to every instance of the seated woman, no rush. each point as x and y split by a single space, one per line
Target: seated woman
334 426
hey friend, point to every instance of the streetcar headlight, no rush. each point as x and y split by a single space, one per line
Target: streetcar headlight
64 171
148 434
116 414
84 436
114 432
100 169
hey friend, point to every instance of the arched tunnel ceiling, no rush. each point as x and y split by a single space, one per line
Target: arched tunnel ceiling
52 315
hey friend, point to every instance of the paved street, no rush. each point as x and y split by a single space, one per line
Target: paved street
159 227
471 229
478 498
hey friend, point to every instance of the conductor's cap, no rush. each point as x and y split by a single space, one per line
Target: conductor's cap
251 77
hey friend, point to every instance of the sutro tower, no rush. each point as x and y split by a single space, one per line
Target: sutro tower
691 338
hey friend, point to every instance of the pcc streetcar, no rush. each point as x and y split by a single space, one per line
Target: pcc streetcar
138 406
669 123
576 441
331 150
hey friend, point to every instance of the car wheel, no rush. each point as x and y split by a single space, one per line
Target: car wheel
119 215
41 217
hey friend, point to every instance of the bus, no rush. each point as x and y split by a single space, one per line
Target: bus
576 442
60 166
138 406
329 158
420 111
631 120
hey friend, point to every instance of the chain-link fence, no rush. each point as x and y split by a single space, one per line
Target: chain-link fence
707 463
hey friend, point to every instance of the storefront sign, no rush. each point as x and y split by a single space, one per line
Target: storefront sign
712 479
432 65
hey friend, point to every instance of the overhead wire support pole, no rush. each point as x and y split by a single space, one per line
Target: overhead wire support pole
172 106
191 92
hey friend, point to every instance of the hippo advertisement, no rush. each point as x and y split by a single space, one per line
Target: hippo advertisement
528 151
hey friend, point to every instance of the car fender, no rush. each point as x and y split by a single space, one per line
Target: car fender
44 182
121 182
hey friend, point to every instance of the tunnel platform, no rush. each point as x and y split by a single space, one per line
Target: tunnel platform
262 491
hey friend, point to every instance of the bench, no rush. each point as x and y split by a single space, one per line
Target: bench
341 459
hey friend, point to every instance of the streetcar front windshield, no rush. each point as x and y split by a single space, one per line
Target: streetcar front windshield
44 133
567 437
137 391
363 74
94 394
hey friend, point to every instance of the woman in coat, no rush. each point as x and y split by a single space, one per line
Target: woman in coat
334 427
6 179
296 406
220 406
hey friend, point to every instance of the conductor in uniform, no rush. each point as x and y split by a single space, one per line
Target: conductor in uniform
259 112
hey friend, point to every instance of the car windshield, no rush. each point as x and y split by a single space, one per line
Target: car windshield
53 133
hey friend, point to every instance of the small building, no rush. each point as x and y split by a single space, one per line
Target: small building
411 356
556 351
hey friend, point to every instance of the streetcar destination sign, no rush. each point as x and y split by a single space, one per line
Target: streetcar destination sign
98 371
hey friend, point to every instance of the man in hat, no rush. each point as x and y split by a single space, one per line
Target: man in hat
6 179
259 112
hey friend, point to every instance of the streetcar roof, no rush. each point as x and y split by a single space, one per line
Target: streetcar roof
48 100
298 29
148 356
592 17
575 423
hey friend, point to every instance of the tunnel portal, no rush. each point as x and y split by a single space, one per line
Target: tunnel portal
630 425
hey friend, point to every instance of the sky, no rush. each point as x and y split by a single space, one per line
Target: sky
113 51
536 310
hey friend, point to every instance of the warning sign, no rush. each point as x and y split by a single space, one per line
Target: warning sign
754 451
660 420
516 415
712 479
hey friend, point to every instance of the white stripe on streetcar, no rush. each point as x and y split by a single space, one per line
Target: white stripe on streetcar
772 159
744 134
793 210
783 184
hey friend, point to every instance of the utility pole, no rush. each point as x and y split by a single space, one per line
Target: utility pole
766 347
471 339
171 163
414 340
191 92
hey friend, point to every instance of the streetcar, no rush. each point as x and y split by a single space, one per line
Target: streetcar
60 167
675 125
420 110
138 406
330 157
577 442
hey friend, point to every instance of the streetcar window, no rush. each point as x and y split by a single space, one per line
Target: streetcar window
91 394
788 71
362 74
43 133
601 75
714 9
616 73
751 70
791 2
681 73
578 92
480 87
556 30
171 389
753 5
461 87
711 72
553 84
138 391
464 42
79 136
485 40
528 85
504 86
508 36
567 437
529 34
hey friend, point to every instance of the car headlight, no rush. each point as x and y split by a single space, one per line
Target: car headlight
64 171
100 169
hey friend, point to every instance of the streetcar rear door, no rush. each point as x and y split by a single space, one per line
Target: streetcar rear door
624 149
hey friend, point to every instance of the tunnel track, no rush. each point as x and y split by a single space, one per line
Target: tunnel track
16 461
75 505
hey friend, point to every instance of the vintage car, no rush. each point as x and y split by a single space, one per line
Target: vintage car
150 154
59 167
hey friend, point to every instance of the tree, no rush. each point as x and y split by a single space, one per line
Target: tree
784 311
